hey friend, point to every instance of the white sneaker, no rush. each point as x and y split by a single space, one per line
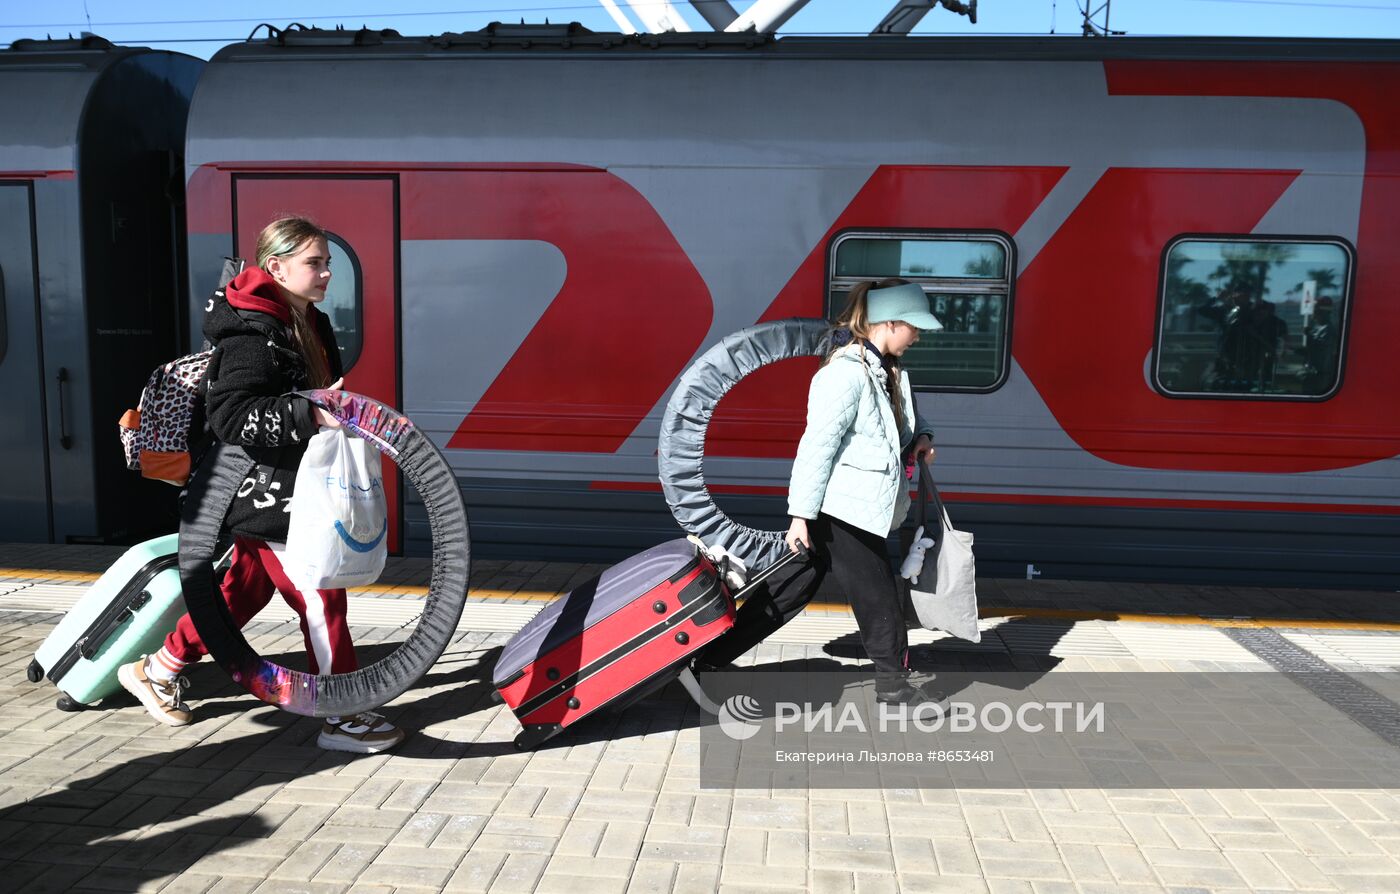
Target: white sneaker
365 733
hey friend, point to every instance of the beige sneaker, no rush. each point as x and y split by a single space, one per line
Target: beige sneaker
365 733
161 700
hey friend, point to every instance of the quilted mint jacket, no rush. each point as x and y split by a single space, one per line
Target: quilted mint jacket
848 461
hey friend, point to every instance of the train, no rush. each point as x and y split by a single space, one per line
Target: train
1164 267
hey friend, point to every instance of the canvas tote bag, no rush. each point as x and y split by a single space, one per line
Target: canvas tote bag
940 568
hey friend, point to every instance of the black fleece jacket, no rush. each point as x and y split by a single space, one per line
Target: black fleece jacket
247 402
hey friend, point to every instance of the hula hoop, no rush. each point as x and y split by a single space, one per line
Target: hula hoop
681 449
206 502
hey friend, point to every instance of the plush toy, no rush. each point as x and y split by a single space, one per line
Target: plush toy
914 562
738 572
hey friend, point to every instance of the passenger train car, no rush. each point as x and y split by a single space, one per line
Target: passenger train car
1165 269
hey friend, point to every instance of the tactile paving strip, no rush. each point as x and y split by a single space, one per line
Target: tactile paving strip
1061 639
1366 649
1353 698
367 611
1178 643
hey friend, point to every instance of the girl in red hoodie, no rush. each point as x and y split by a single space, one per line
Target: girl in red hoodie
269 340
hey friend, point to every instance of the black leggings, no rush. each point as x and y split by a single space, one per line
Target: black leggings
862 567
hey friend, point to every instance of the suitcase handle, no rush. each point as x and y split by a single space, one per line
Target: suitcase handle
760 577
91 644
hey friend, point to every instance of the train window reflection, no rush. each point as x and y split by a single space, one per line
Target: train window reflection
343 302
1251 317
958 258
967 278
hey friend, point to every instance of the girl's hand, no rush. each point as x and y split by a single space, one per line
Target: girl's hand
797 533
923 449
323 418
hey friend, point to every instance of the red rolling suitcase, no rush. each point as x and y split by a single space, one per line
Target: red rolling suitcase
614 639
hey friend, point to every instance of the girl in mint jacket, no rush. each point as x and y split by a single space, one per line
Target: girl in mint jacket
848 491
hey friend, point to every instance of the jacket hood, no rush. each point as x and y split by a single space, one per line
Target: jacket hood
255 289
252 290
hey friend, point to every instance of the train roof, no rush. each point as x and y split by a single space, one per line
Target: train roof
850 106
573 40
89 52
44 90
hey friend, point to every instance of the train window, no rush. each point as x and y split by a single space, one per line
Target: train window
1251 317
344 304
967 277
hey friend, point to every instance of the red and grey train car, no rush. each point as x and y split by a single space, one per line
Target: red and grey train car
1165 269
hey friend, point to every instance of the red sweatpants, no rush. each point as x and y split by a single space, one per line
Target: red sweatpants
248 586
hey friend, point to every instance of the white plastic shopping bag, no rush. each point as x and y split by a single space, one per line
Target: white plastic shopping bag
941 571
339 517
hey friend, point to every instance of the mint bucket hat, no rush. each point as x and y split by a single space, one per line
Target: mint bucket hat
906 303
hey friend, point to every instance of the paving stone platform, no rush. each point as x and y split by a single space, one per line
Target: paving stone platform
243 800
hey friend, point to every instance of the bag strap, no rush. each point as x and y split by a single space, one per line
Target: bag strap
928 494
876 392
232 267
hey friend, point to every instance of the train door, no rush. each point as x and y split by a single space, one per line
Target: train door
23 449
361 215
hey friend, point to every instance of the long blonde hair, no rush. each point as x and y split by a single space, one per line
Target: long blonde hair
856 317
280 239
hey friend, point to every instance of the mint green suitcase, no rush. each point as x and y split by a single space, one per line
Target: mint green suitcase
124 615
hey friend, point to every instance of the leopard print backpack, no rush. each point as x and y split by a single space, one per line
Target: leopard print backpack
156 435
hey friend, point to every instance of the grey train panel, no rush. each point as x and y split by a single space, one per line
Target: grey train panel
24 486
555 520
560 521
42 97
101 131
1187 546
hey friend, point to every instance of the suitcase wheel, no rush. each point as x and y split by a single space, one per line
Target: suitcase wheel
65 703
35 671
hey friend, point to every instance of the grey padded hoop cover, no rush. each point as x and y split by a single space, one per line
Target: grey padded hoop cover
681 451
211 490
